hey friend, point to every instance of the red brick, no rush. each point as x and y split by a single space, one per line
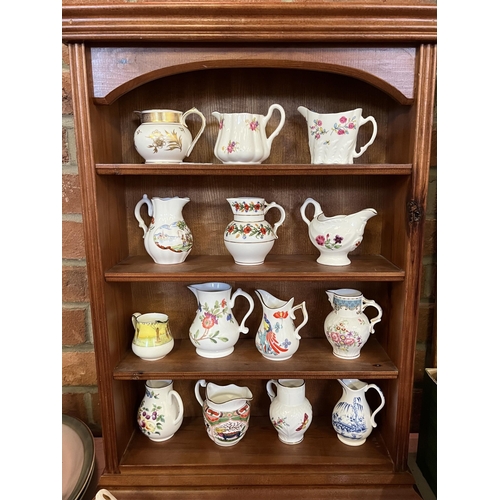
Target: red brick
65 55
67 94
74 284
71 200
73 242
78 368
73 326
73 404
65 152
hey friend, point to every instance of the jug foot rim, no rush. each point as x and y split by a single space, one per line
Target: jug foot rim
291 442
351 442
218 354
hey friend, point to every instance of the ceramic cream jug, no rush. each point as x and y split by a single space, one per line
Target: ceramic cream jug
277 338
242 136
290 411
332 136
352 418
226 411
347 327
336 236
152 336
249 237
161 410
214 330
163 136
168 239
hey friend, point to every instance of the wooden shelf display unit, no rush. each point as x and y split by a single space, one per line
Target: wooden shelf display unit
238 57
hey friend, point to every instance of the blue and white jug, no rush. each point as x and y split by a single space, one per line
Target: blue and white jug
352 418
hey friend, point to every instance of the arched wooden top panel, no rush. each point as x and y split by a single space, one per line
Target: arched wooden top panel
118 70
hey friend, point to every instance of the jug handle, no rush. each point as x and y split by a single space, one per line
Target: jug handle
243 328
306 317
269 389
372 417
317 209
104 495
134 319
282 217
362 121
137 212
376 319
197 391
280 124
175 395
202 128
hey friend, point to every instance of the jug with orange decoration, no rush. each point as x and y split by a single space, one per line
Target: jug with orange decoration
277 337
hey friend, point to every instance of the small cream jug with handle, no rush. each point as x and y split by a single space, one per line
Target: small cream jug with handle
152 336
214 330
164 137
347 327
332 136
168 239
290 411
277 338
249 237
242 136
335 236
161 411
226 411
352 418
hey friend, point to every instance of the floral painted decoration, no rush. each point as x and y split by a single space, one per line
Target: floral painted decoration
342 338
231 147
169 141
345 125
150 420
245 207
254 124
248 230
209 318
328 242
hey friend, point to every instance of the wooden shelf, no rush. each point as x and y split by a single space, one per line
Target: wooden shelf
187 168
314 359
190 449
276 267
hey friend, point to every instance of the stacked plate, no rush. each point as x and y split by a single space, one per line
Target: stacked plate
78 458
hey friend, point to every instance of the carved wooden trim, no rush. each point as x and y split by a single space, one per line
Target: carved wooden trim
273 21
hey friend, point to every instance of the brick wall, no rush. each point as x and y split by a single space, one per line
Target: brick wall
79 380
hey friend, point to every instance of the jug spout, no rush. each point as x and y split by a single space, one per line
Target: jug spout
367 213
217 115
303 111
194 289
271 302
